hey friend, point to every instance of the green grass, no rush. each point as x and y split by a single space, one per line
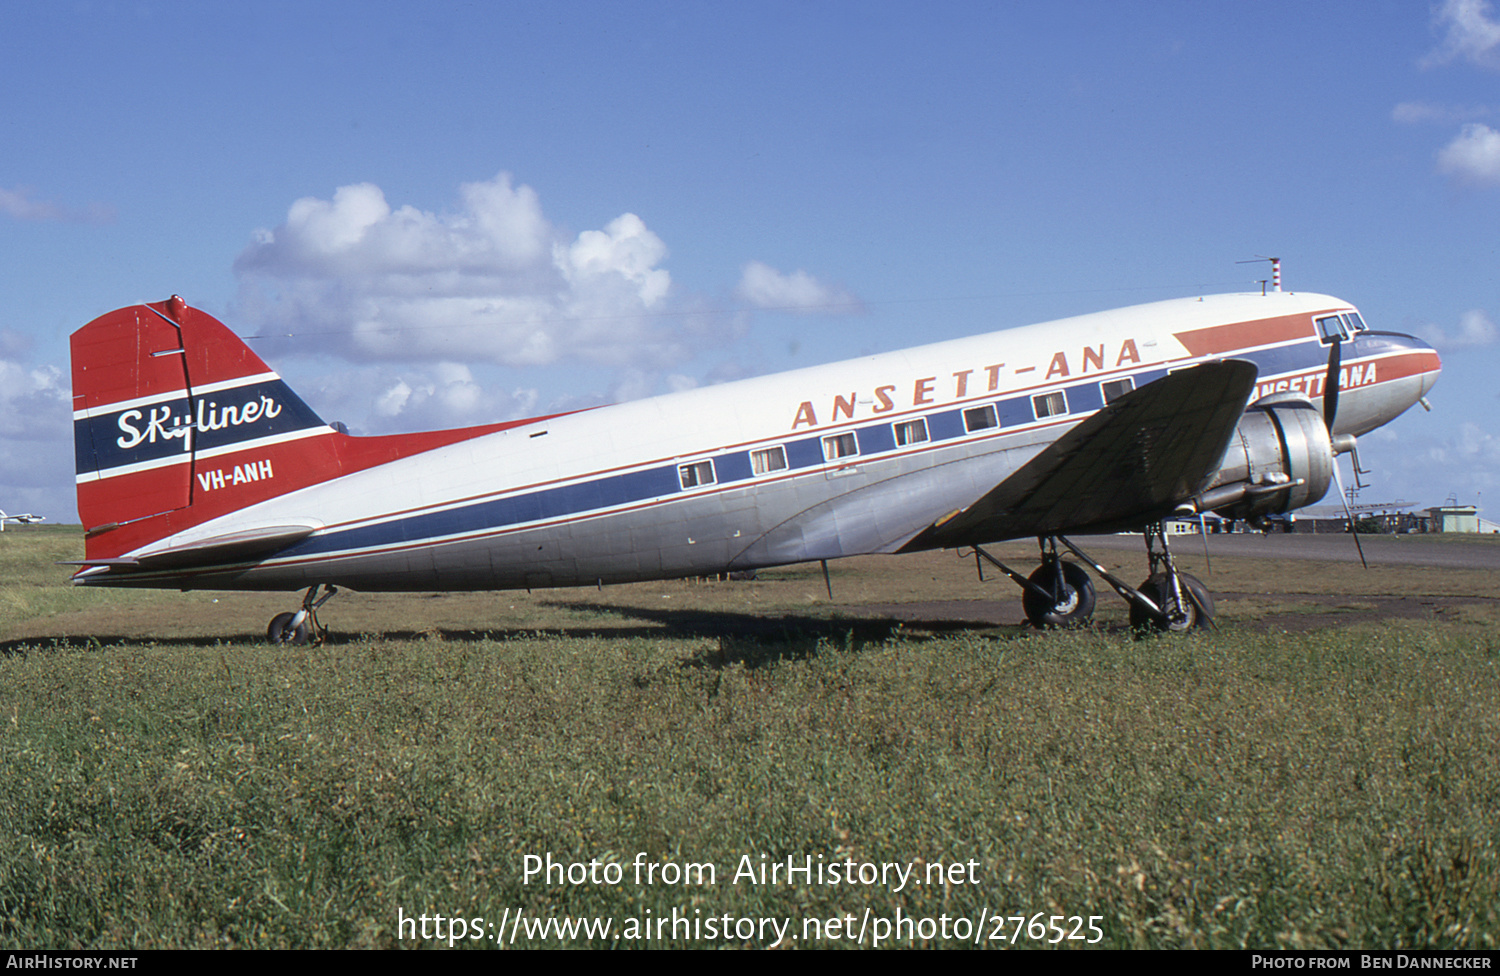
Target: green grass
1229 789
33 585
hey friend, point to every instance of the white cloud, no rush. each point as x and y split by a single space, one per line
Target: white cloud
493 281
34 403
443 395
1473 157
382 399
1474 329
13 344
1436 454
1415 112
1472 34
764 287
35 420
625 248
1477 444
1468 458
18 203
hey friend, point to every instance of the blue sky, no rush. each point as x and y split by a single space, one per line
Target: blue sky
468 212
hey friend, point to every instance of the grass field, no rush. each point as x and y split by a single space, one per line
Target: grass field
169 781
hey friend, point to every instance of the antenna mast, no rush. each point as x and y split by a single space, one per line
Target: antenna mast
1275 272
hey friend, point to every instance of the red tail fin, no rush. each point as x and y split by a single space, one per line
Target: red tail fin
176 421
169 408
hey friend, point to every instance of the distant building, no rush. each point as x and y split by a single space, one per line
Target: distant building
1454 518
1372 520
1385 519
1459 518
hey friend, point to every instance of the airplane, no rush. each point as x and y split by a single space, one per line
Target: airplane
198 468
27 519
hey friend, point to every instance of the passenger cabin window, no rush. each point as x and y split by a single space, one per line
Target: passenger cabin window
1331 327
768 460
696 474
1049 404
1114 389
839 446
911 432
980 418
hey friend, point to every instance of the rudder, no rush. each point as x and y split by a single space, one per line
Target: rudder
176 422
169 407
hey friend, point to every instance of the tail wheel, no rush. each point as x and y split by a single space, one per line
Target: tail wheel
1195 610
1072 607
281 630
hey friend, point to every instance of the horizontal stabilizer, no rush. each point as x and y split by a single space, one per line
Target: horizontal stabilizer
234 547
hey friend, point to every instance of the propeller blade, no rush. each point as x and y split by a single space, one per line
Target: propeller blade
1338 480
1331 384
1203 534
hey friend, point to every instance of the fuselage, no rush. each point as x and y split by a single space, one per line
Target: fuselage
842 459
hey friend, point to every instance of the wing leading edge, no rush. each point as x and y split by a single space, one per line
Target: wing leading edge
1131 463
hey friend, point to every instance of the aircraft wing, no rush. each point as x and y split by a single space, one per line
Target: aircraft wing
1130 463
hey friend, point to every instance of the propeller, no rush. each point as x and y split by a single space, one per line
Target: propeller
1331 383
1330 413
1338 480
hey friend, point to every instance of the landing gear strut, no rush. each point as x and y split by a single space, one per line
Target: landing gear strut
1186 607
1182 601
302 627
1060 594
1056 594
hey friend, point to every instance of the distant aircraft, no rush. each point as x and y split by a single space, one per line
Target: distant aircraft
198 468
27 519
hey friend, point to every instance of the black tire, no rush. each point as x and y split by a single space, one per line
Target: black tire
281 630
1074 607
1196 611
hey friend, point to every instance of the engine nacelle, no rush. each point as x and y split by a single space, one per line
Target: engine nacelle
1280 459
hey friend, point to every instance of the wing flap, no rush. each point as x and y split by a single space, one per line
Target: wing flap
1130 463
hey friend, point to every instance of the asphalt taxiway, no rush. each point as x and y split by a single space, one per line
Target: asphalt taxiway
1449 550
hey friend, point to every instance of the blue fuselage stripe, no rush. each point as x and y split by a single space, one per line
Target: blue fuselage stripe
731 467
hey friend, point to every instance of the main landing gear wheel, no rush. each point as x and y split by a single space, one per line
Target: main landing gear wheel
302 627
1195 610
284 631
1071 605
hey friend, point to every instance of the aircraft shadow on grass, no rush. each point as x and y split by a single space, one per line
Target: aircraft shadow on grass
742 639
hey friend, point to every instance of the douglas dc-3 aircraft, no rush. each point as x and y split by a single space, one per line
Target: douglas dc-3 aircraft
198 468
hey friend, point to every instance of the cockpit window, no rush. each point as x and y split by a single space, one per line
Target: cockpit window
1354 322
1331 327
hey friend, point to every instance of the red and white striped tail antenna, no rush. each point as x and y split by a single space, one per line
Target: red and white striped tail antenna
1275 272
